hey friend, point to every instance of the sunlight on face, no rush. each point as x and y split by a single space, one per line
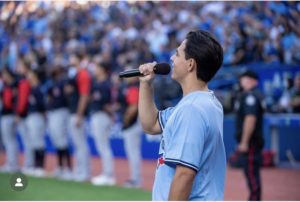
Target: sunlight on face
179 63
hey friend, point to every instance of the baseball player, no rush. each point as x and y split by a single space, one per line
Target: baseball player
23 93
192 161
101 123
77 92
35 121
58 116
8 131
132 130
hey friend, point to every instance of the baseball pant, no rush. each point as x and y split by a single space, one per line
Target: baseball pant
10 141
132 139
28 150
36 129
58 128
81 152
101 124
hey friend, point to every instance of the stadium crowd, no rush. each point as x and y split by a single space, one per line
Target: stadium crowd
39 42
123 34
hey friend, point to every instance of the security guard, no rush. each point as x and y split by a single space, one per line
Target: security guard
249 131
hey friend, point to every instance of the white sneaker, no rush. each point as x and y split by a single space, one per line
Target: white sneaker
66 174
28 171
9 169
103 180
4 169
39 172
58 172
79 178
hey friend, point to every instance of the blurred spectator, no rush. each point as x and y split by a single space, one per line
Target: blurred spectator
295 95
284 101
254 32
121 33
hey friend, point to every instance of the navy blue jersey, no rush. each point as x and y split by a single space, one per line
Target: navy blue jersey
56 98
72 95
75 87
128 95
101 95
250 103
8 97
36 100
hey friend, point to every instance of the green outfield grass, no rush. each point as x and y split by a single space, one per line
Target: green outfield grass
53 189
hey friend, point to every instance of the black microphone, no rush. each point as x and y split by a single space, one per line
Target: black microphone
159 68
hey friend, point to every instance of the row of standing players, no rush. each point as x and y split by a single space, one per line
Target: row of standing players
68 104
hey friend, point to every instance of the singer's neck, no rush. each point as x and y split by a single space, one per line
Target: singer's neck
189 87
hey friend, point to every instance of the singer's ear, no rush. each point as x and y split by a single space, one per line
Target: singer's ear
192 64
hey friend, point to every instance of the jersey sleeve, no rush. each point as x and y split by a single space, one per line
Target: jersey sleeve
251 105
132 97
187 143
84 83
163 116
23 96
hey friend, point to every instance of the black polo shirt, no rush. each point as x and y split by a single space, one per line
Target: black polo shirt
250 103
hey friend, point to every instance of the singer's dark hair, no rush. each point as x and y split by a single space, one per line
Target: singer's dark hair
206 51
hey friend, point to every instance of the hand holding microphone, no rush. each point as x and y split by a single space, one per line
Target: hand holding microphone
147 71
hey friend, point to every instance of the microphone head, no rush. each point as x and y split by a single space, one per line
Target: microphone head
162 68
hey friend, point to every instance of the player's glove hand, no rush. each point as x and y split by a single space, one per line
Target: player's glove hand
78 121
243 148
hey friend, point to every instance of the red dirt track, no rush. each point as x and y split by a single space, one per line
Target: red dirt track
279 184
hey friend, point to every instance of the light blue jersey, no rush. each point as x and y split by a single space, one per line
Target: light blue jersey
192 136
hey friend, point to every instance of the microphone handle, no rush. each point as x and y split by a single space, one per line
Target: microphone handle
130 73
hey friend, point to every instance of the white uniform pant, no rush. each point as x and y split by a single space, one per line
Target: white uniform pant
132 139
28 149
101 125
10 141
35 123
58 127
81 152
